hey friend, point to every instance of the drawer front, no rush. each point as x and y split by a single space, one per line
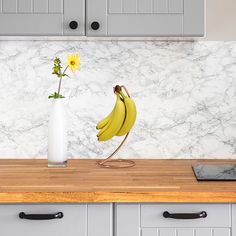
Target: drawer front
218 215
78 220
73 222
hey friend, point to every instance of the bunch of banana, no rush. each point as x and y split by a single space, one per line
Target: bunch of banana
121 120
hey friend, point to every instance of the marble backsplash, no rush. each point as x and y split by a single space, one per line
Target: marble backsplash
185 94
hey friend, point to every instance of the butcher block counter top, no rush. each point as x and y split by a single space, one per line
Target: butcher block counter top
31 181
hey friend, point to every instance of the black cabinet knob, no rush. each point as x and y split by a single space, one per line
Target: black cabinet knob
73 25
95 25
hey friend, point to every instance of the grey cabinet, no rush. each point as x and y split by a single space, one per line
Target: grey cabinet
145 17
127 219
78 220
234 219
118 219
103 17
147 220
42 17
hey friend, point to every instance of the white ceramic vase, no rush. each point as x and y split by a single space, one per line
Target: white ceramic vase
57 136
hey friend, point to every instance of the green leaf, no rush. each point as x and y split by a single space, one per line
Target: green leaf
55 96
57 67
57 61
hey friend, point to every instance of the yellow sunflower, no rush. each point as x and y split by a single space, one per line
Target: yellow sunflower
73 62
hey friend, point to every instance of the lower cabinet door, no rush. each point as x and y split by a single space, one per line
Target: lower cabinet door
185 232
151 219
233 219
56 220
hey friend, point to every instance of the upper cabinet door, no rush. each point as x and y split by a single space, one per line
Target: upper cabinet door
42 17
145 17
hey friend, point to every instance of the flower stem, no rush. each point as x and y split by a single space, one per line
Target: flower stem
59 88
61 76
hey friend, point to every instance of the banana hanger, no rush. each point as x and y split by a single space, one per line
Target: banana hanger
109 162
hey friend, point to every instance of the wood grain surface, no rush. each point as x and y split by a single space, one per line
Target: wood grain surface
83 181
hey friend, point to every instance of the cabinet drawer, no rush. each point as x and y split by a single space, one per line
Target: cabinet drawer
218 215
77 220
73 222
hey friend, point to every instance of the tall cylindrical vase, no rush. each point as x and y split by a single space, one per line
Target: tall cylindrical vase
57 136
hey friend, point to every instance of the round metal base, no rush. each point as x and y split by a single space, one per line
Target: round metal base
116 164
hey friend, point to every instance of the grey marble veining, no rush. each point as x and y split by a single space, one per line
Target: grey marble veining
185 94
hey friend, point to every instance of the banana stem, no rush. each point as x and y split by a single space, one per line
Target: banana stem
122 86
117 89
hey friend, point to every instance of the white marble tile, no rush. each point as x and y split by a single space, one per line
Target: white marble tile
185 94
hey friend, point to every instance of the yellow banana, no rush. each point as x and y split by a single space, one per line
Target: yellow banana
116 120
130 115
101 124
106 126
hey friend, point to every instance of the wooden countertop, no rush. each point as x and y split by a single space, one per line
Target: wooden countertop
84 181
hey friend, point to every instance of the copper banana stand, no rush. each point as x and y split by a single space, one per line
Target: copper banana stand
117 163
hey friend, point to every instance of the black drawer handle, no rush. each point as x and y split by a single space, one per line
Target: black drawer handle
58 215
202 214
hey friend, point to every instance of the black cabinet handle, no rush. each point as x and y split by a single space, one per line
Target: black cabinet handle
95 25
73 25
58 215
202 214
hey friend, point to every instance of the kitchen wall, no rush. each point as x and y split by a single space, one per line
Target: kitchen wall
220 20
185 94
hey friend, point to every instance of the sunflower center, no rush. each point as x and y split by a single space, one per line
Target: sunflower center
72 63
